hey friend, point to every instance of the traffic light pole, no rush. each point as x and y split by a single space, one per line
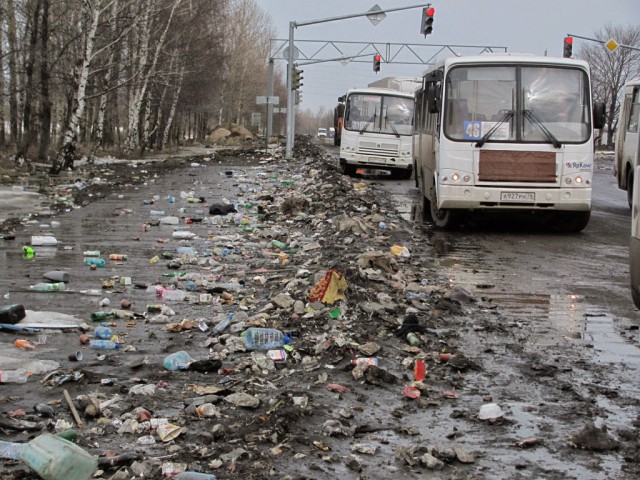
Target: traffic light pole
290 59
619 45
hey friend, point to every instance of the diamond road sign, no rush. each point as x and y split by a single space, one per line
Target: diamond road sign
611 45
376 15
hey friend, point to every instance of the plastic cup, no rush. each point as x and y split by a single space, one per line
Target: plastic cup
76 356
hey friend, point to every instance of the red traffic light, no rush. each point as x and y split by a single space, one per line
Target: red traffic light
426 27
377 57
567 51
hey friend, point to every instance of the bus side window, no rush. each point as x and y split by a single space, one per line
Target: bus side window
634 113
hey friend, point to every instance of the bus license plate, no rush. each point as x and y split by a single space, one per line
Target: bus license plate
517 197
376 160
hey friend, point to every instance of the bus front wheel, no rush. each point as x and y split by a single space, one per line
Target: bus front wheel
569 222
443 218
347 169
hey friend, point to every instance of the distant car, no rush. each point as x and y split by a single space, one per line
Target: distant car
322 133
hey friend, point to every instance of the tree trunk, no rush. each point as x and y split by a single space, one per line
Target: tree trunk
135 108
45 113
27 127
66 156
13 71
172 111
3 138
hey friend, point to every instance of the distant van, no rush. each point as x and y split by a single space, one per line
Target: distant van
322 133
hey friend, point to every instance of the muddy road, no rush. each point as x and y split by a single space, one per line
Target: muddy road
540 327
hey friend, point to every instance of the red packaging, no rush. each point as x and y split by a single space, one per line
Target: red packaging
419 370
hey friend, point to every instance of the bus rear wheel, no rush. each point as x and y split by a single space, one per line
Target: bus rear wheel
442 218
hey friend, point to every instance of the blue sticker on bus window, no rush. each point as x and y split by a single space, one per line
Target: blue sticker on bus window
472 130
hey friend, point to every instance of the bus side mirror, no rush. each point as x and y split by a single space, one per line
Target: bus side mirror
342 99
598 115
433 97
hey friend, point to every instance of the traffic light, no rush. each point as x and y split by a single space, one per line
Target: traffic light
427 20
298 97
376 62
568 47
297 79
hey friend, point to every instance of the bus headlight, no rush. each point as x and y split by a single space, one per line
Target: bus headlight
455 177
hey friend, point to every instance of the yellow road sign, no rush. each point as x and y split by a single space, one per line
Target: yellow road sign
611 45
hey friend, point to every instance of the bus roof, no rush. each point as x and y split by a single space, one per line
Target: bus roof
379 91
506 58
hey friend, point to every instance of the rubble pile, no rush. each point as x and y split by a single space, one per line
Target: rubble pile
278 319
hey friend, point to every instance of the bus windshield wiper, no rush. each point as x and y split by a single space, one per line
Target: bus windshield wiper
493 129
372 120
538 124
393 127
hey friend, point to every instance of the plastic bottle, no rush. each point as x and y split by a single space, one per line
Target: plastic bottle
264 338
171 220
56 276
12 314
174 295
103 331
154 260
278 244
14 376
43 240
223 324
103 344
193 476
177 361
52 457
118 256
91 253
184 234
98 262
48 287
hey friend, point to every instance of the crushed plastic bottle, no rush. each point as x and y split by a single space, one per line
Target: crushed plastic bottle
103 331
98 262
177 361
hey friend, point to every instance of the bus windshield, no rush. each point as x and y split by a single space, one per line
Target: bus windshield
517 103
377 113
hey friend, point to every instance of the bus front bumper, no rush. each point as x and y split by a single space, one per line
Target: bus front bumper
520 198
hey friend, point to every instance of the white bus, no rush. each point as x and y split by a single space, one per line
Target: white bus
375 131
506 132
627 144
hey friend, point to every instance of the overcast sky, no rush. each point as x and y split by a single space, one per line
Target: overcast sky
531 26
